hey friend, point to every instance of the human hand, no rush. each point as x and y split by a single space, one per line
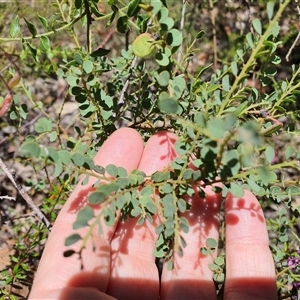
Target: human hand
122 266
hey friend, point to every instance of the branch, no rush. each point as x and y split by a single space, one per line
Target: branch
182 20
214 31
295 41
7 198
89 19
26 38
25 196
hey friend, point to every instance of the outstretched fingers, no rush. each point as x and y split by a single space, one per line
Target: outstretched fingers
56 272
250 269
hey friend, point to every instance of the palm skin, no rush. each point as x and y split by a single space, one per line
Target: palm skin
123 265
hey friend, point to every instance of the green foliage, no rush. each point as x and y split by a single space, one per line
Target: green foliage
232 131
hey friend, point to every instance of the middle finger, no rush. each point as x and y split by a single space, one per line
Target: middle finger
191 277
133 262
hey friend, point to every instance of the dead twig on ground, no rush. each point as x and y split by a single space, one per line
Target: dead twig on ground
25 196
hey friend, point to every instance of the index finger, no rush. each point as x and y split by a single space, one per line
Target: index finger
123 148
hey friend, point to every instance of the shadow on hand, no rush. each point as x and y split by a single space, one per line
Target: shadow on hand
134 288
233 205
80 288
126 288
171 153
251 288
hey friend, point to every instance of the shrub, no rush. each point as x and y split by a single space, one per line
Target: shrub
230 94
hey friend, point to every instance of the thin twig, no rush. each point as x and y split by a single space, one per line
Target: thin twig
295 41
107 37
213 21
25 196
182 20
121 98
7 198
89 20
124 89
292 47
27 38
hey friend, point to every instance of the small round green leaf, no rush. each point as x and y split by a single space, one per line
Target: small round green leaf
164 78
174 38
187 174
182 205
83 217
269 71
89 163
162 59
30 149
88 66
69 253
181 147
289 152
253 185
216 127
43 21
72 239
200 34
135 211
219 277
53 136
236 189
72 80
52 154
31 27
78 4
234 68
219 261
184 225
100 52
166 188
249 38
167 24
122 172
43 125
122 23
266 176
78 159
97 197
167 104
133 7
151 207
270 9
204 251
112 170
275 59
158 176
178 85
269 154
211 243
14 27
147 191
213 267
257 26
226 83
64 157
58 168
44 43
